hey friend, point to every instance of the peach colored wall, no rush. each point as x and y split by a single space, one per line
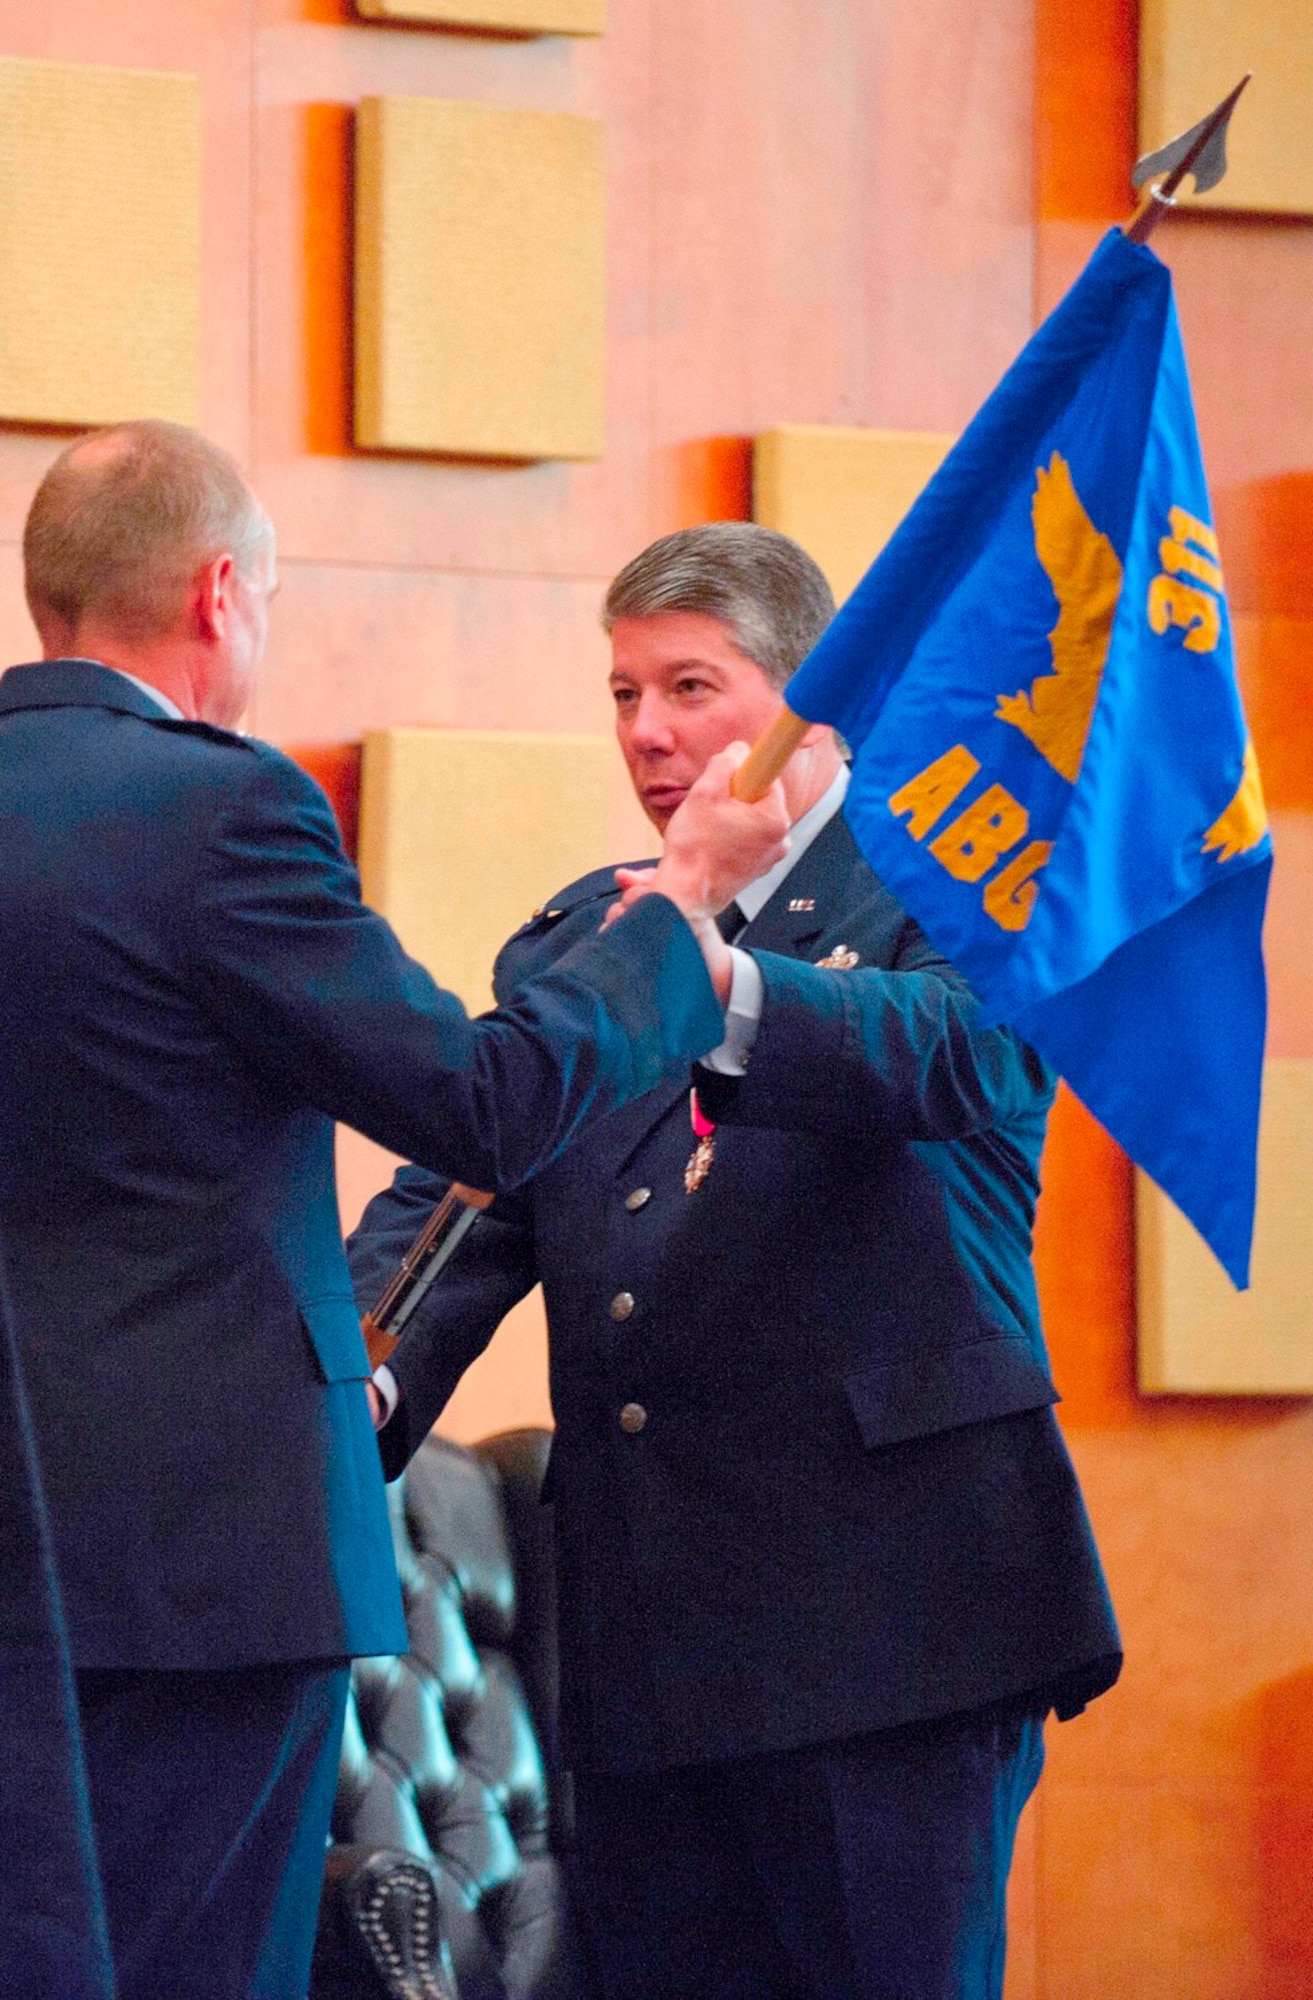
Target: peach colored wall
845 211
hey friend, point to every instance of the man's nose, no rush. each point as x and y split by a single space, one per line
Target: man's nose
650 725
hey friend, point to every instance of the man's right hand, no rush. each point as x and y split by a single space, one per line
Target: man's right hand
716 844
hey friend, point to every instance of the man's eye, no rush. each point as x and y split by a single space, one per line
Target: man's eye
622 697
692 686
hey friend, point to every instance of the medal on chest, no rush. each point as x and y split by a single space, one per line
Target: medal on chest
704 1152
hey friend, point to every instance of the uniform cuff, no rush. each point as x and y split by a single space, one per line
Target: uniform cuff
742 1016
389 1394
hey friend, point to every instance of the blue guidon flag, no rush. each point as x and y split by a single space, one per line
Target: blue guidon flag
1051 765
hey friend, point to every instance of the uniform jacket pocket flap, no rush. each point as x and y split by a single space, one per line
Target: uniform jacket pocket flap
334 1329
938 1392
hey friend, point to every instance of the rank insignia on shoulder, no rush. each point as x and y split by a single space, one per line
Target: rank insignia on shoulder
801 903
841 959
543 914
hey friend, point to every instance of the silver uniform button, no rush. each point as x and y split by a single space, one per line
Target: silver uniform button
632 1418
637 1198
622 1305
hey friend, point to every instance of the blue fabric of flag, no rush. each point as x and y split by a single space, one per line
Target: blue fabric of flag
1051 766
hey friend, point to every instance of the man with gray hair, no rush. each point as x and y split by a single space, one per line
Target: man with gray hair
190 993
823 1563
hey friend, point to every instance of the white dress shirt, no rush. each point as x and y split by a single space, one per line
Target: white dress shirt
743 1011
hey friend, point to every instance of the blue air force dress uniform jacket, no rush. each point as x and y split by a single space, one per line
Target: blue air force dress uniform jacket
807 1476
190 993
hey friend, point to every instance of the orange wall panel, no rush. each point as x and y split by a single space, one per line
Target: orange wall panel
1086 108
1084 1259
336 766
326 166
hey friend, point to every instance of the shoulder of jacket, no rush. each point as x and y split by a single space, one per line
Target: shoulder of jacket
553 927
206 732
266 773
597 888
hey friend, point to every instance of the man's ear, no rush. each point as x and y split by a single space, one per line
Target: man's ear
211 596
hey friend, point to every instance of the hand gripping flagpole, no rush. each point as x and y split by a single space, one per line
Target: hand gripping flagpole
1200 151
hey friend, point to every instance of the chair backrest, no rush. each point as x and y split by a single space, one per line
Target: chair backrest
449 1752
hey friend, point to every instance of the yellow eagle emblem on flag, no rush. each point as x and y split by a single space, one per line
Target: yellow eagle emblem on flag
1083 567
1244 822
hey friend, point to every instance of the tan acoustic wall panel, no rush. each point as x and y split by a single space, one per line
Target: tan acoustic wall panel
841 492
525 17
1198 1336
464 833
480 280
1192 52
99 243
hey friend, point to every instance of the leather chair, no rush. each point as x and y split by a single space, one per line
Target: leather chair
449 1876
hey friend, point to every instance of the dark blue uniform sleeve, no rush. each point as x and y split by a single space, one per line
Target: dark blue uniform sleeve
901 1053
491 1271
317 993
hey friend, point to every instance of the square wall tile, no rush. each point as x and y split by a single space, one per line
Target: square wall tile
525 17
1192 52
480 280
841 492
464 833
99 243
1197 1334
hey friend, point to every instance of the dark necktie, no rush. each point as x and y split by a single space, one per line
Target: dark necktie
730 922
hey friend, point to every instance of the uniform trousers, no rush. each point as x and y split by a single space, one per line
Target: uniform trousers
210 1795
872 1868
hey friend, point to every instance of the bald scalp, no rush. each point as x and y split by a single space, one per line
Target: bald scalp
123 521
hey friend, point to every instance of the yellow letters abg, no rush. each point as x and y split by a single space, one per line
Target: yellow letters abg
990 827
928 796
1012 894
987 829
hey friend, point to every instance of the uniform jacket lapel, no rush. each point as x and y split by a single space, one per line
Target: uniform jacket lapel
812 898
808 902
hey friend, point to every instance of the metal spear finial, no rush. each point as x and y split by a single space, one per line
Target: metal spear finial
1200 151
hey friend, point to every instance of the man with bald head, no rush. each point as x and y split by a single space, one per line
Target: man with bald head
190 994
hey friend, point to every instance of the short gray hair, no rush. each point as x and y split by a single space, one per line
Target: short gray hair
126 516
767 592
